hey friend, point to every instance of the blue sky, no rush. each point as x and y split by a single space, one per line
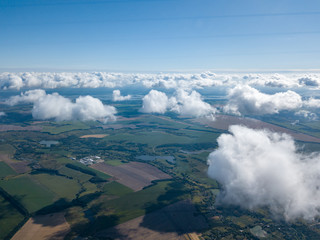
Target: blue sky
163 35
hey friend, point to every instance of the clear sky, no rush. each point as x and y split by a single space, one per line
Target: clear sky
159 35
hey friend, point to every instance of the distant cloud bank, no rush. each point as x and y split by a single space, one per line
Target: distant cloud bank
59 108
258 168
51 80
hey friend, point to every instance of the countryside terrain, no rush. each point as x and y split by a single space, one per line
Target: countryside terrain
87 180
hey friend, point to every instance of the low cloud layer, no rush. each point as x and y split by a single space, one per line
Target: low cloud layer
59 108
163 80
258 168
116 96
184 103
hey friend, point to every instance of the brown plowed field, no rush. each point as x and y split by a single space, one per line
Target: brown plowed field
51 226
135 175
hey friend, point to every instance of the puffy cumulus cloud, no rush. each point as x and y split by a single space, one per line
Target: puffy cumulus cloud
116 96
190 104
155 102
59 108
183 102
28 97
164 80
244 99
258 168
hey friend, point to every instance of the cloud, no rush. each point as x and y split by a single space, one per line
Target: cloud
116 96
258 168
155 102
307 81
184 103
190 104
59 108
185 81
244 100
30 96
2 114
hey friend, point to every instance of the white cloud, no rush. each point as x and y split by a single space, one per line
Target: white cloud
28 97
185 81
2 114
183 103
258 168
116 96
59 108
244 99
191 104
154 102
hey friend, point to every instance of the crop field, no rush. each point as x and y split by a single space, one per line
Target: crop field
51 226
94 136
223 122
62 187
5 170
4 128
32 196
116 189
10 217
134 175
171 222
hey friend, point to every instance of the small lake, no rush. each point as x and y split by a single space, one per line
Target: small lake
48 143
169 159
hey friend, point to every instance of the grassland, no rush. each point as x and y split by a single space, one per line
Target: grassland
116 189
32 195
61 187
10 218
5 170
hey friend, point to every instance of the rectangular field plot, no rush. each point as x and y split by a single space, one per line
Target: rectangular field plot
134 175
30 194
51 226
176 221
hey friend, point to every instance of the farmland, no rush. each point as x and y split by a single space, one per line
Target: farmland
134 175
124 195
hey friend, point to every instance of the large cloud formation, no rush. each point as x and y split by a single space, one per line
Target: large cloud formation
59 108
258 168
164 80
243 100
185 103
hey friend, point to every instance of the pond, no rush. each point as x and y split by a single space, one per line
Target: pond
48 143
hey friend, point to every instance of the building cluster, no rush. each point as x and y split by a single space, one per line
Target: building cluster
90 160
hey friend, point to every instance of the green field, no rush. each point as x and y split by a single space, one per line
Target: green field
114 162
57 128
138 203
30 194
5 170
117 189
9 218
62 187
